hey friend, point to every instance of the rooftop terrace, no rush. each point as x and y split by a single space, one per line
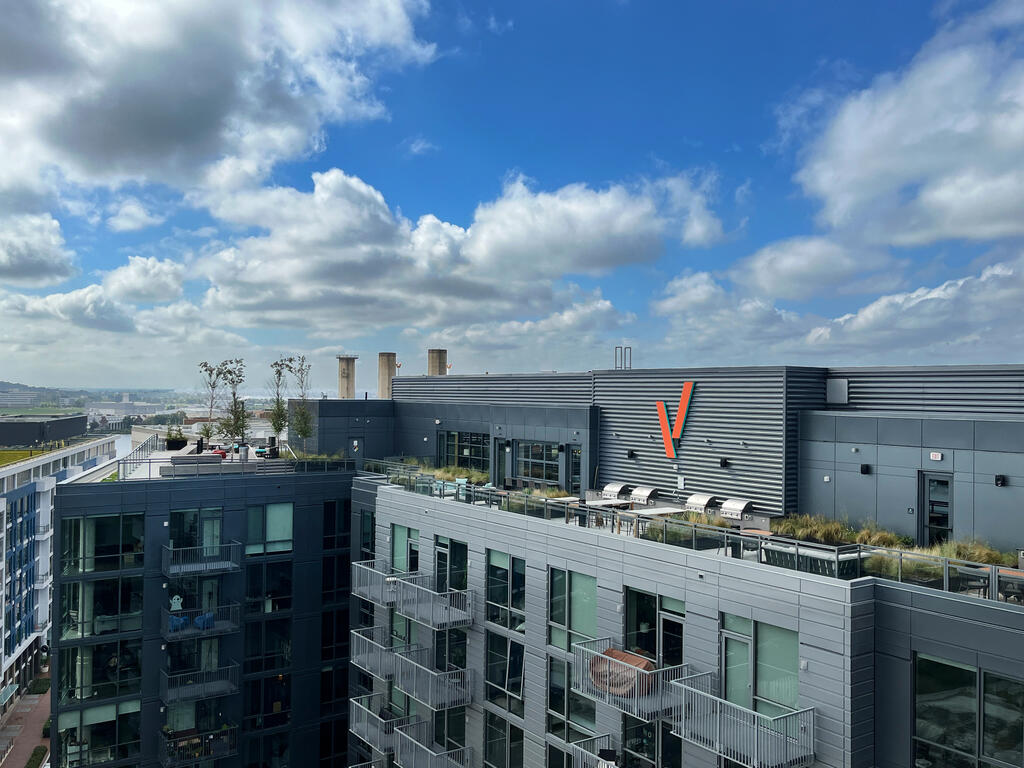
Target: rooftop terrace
655 523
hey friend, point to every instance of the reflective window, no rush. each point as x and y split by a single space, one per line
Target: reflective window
503 743
505 673
100 671
572 608
269 529
102 543
537 461
946 704
99 734
571 717
471 450
506 590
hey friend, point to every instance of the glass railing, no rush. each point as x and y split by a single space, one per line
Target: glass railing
210 465
845 562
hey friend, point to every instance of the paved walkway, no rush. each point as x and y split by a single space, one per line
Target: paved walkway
25 724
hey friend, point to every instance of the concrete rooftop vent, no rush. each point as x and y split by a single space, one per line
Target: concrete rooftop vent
347 376
437 362
387 369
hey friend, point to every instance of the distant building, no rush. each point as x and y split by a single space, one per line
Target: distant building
19 399
33 430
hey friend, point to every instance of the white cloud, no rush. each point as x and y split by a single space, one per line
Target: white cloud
803 267
417 145
32 251
935 151
496 27
688 196
145 280
130 215
88 307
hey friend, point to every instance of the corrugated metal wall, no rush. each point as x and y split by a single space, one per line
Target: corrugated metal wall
805 390
735 414
543 389
948 389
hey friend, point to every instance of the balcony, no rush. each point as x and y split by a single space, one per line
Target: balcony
374 580
586 753
180 749
739 734
372 764
371 720
43 530
200 622
204 560
418 599
43 580
371 650
602 671
199 684
415 748
415 675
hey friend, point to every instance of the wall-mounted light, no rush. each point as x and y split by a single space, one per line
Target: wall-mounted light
630 454
426 439
723 462
865 469
855 449
437 421
1000 481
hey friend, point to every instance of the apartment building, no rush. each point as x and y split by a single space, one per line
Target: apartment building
26 555
202 615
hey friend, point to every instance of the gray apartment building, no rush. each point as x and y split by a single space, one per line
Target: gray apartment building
496 624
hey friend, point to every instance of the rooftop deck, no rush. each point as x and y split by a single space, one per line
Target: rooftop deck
845 562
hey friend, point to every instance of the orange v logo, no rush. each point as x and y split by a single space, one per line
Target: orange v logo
677 427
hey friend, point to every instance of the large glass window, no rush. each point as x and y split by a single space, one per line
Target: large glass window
571 717
505 673
334 641
337 516
336 578
268 645
268 702
101 671
506 590
269 529
268 587
1003 719
946 711
537 461
99 734
760 665
642 623
572 608
102 543
503 743
98 607
405 549
471 450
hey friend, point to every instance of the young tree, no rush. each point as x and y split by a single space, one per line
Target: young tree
235 425
280 368
302 418
213 377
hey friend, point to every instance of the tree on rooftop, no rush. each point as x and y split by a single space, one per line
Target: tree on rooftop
213 378
280 369
234 426
302 417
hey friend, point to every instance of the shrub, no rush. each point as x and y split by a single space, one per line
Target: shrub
39 685
46 729
37 757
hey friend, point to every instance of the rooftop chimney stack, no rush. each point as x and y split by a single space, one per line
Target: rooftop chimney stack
437 362
347 376
387 368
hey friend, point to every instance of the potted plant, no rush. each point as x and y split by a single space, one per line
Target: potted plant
176 439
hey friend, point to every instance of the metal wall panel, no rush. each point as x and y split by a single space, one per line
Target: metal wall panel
542 389
947 389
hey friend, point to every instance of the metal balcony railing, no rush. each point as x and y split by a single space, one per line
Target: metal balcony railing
370 718
200 622
199 684
186 749
585 753
739 734
415 748
42 580
374 580
372 651
206 559
43 530
644 694
372 764
415 676
418 599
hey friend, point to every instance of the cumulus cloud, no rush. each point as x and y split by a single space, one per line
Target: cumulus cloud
935 151
688 197
417 145
130 215
145 280
32 251
88 307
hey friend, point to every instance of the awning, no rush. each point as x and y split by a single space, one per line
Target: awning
7 692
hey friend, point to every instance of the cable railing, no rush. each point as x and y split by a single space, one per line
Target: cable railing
204 559
188 748
211 465
844 562
739 734
372 720
415 748
630 683
416 676
373 651
417 598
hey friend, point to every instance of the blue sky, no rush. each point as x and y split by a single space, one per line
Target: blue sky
527 184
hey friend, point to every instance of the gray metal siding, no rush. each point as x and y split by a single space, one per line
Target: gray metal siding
947 389
735 414
805 389
543 389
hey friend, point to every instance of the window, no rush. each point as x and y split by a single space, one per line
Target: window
450 649
471 450
336 578
270 529
268 645
571 717
557 758
334 689
760 665
271 749
337 516
451 563
959 710
505 673
575 472
405 549
99 734
506 590
101 671
268 702
642 623
334 746
268 587
334 634
97 607
572 608
450 727
101 543
503 743
367 521
537 461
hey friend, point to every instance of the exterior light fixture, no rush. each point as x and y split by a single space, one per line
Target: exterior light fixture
1000 481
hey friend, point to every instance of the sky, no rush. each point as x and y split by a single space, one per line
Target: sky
527 184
